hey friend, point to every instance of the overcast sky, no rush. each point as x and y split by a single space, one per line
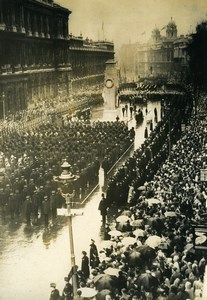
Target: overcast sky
126 21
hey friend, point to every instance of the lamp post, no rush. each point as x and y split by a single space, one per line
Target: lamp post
66 178
3 105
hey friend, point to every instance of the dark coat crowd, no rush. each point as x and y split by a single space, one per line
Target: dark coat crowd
30 160
152 250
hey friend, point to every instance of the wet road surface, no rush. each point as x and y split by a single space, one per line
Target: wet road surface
30 258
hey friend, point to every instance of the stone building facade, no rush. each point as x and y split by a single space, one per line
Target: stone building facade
39 60
34 54
88 60
163 55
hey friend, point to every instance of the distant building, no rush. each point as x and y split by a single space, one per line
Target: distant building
127 61
88 60
163 56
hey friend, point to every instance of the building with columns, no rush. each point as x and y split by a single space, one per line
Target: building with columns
34 54
163 55
88 60
39 60
156 58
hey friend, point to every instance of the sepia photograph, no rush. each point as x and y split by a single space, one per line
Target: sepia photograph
103 149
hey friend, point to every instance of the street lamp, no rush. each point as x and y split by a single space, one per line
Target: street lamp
65 179
3 105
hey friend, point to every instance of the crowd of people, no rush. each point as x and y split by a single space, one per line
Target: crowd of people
30 164
145 160
47 110
151 249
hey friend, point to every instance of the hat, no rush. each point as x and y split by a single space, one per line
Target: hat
53 285
92 241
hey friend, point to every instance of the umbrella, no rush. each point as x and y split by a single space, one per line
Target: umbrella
134 258
170 214
122 219
112 271
102 294
88 292
141 188
136 223
152 201
128 240
104 281
146 252
147 280
122 226
153 241
126 212
150 220
107 244
115 233
189 248
139 232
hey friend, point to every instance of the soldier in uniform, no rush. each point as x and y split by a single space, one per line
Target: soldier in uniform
46 210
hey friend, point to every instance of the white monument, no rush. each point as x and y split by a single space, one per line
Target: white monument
110 90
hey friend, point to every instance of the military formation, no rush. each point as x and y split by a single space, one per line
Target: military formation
31 160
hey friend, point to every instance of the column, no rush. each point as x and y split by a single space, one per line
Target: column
28 29
47 27
13 19
21 18
60 28
42 34
2 24
35 26
65 28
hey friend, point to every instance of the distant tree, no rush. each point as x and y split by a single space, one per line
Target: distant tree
197 51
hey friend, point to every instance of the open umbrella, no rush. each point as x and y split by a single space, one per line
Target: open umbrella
139 232
147 253
104 281
115 233
190 248
126 212
150 220
170 214
102 294
122 219
88 292
134 258
136 223
152 201
107 244
122 226
153 241
141 188
147 280
112 271
128 240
